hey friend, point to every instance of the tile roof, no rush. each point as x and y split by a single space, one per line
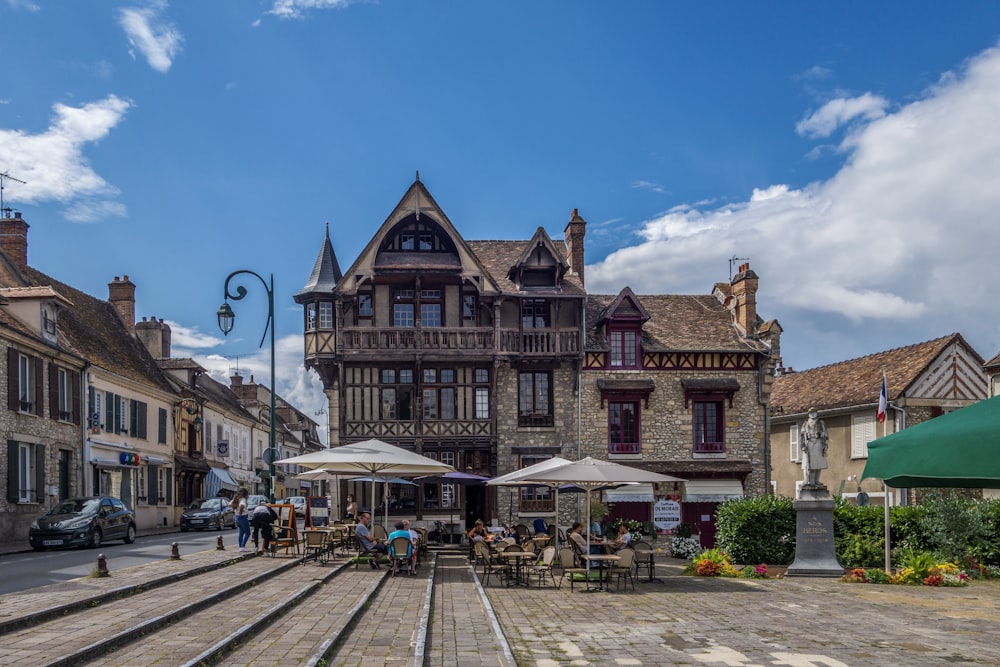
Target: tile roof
498 257
92 329
857 381
993 363
678 322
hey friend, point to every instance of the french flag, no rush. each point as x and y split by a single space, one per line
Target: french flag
883 402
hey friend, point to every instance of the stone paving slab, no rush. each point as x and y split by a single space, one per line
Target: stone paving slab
795 621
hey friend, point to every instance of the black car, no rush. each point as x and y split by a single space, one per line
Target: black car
89 521
214 513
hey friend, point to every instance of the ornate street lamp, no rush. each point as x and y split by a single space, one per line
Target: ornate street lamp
227 319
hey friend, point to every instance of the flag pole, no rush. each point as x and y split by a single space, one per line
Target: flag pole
883 408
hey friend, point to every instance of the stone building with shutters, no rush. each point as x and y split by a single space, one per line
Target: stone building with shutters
490 356
923 381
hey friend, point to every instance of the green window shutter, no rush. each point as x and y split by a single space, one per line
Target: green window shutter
152 494
39 474
161 426
109 413
13 380
13 465
39 387
140 420
133 418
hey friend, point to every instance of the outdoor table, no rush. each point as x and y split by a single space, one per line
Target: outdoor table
515 561
605 573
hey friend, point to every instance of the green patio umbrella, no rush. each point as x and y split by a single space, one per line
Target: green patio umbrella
958 449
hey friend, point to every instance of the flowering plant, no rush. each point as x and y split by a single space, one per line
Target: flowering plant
685 547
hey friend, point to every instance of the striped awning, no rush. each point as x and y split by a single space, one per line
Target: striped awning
217 480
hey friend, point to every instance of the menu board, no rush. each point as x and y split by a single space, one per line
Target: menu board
317 511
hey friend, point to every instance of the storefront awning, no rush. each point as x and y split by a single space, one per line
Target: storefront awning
635 493
218 479
712 490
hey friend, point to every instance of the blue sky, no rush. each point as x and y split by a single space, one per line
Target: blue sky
850 150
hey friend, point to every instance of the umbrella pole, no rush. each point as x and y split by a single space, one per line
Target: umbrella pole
888 547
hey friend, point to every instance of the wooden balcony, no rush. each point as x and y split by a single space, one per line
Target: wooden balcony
367 339
536 342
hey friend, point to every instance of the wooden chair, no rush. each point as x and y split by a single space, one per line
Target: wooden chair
569 565
644 558
486 560
544 566
623 568
401 551
316 546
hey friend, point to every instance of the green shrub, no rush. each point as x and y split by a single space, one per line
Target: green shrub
760 529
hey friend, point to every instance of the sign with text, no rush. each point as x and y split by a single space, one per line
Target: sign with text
666 514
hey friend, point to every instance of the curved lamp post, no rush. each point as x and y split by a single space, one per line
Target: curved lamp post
227 318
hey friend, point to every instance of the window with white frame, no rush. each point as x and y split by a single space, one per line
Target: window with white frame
26 472
862 432
325 315
26 383
65 394
793 443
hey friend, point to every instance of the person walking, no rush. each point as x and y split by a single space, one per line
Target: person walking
239 505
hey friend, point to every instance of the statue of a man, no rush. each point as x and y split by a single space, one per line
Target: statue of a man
813 441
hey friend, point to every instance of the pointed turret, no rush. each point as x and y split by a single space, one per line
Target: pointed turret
325 274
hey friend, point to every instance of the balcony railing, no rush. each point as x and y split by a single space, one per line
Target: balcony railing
480 339
365 339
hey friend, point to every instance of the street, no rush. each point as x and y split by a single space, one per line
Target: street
27 570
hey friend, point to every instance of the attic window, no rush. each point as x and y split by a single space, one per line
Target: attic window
49 320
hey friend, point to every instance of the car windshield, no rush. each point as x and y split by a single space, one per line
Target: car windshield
203 504
77 506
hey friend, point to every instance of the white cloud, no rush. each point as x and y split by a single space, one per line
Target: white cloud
157 39
53 165
833 114
191 338
895 248
294 9
648 185
26 5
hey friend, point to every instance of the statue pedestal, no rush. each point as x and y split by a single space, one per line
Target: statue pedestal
815 552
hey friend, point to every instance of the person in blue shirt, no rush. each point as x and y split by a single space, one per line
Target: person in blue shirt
400 531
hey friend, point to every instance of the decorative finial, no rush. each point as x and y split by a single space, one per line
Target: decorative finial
418 175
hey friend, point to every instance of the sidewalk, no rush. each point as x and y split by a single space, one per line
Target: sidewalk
22 545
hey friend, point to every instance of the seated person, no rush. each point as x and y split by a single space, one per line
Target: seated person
580 542
595 529
401 531
478 532
539 527
624 538
366 541
414 539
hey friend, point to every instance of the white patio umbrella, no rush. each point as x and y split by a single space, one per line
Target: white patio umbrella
591 473
371 458
518 477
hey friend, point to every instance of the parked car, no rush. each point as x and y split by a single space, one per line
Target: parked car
299 502
253 501
88 521
208 513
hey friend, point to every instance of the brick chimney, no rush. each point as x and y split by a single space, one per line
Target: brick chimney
155 335
575 230
745 294
14 237
121 294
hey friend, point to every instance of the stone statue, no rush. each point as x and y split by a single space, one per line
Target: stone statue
813 441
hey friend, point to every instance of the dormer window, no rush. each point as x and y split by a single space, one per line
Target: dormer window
624 348
49 322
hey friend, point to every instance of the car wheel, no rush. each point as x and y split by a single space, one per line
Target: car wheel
130 534
38 548
184 530
95 538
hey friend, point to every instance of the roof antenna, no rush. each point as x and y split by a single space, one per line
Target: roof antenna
733 260
6 176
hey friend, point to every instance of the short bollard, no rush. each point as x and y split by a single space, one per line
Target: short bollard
102 566
218 544
175 552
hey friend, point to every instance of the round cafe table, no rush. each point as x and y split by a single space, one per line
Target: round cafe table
604 583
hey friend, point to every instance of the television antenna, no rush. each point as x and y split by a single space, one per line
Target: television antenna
733 260
4 177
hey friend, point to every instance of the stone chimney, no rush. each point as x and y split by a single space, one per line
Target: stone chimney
155 335
14 237
575 230
745 296
121 294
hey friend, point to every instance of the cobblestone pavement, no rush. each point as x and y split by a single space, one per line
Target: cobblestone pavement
795 622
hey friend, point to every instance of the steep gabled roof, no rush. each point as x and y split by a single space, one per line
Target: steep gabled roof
499 256
92 329
417 201
859 381
677 322
326 272
633 303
